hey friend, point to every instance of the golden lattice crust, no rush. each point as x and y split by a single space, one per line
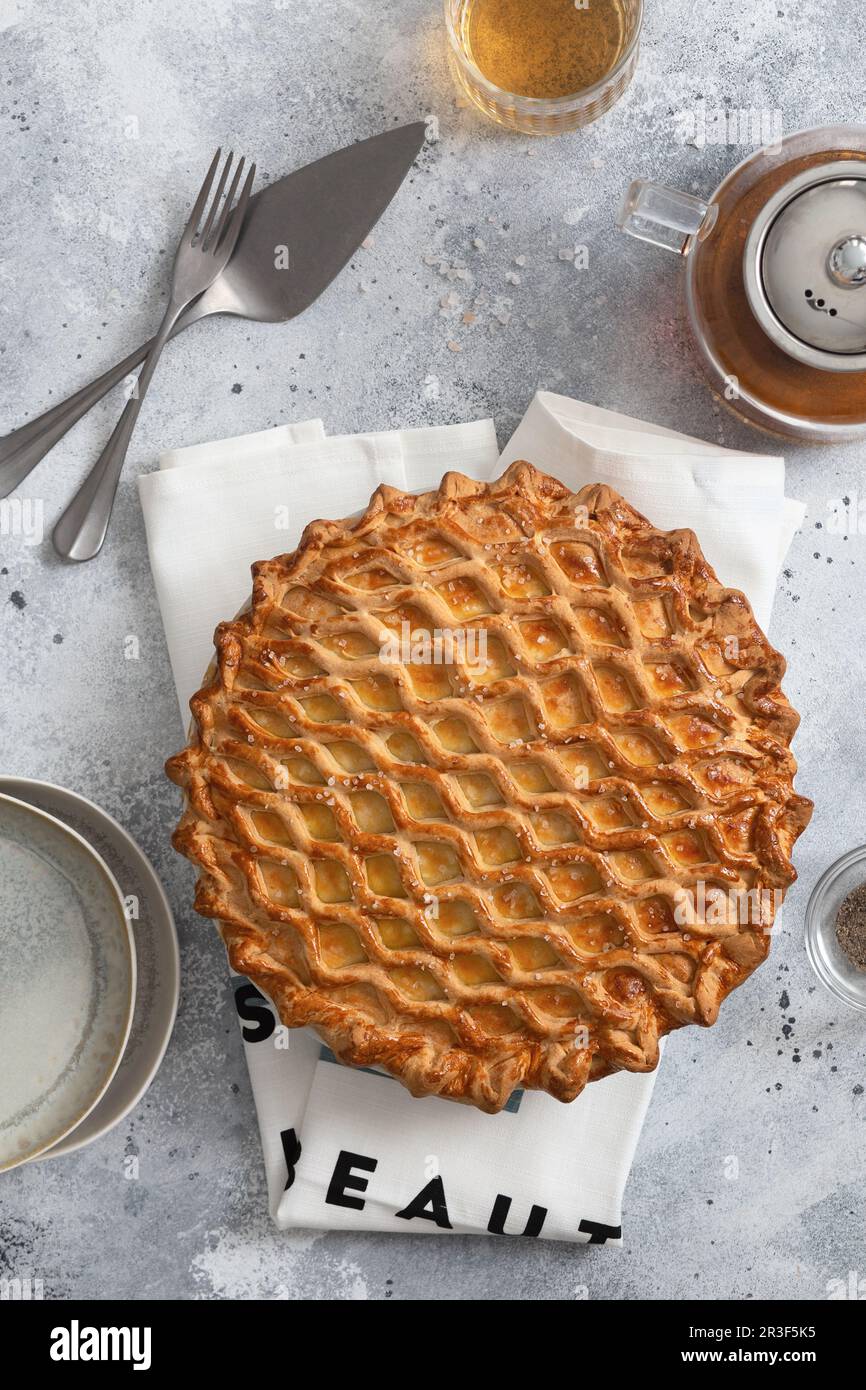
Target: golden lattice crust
474 876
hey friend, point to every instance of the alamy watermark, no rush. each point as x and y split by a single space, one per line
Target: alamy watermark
731 907
24 517
748 126
77 1343
21 1290
439 646
852 1287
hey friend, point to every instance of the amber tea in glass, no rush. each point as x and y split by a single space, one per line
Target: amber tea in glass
544 65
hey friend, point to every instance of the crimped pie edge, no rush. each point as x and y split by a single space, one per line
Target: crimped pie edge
486 1080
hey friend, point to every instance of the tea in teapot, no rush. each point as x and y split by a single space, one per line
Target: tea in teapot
776 280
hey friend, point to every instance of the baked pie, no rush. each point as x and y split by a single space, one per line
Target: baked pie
511 861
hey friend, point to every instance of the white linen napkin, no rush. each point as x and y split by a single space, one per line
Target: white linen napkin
352 1149
735 502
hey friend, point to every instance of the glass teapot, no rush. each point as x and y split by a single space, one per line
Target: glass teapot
776 280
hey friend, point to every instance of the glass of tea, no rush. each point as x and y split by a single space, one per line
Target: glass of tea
544 66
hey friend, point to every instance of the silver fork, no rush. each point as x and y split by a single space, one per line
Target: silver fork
201 256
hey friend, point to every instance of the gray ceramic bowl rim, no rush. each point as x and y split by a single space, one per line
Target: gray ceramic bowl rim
86 850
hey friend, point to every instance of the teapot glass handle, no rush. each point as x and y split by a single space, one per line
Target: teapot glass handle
665 216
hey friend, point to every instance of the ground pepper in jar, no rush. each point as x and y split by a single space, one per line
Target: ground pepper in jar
851 926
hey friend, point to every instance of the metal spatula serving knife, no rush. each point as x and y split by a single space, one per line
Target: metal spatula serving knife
298 234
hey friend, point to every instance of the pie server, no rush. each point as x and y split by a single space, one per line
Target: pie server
298 235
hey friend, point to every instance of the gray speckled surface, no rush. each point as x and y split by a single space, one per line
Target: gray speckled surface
106 113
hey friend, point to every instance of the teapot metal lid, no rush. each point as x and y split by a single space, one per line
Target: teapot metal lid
805 267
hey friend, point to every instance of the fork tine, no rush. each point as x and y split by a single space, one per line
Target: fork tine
227 207
215 201
237 218
189 230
